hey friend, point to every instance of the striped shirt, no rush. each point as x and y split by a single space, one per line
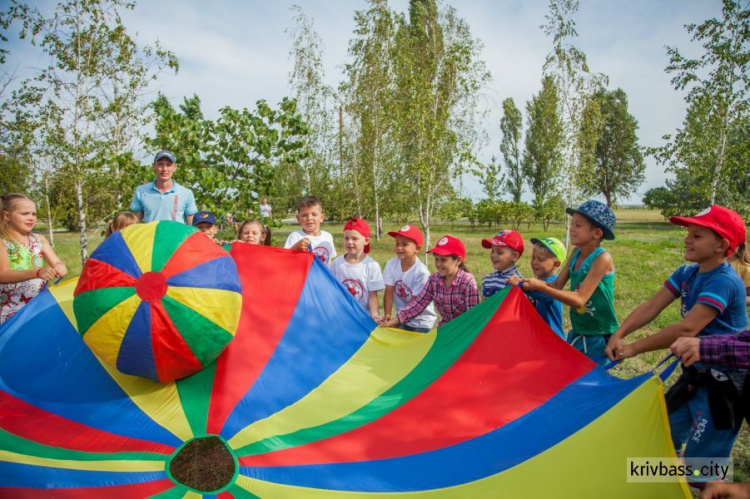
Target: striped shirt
498 280
450 302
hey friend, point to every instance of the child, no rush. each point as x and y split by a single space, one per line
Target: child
547 256
310 215
702 401
740 262
452 287
592 280
405 276
265 209
205 221
254 232
22 276
120 221
507 248
356 270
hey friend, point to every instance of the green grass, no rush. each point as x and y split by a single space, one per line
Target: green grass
646 251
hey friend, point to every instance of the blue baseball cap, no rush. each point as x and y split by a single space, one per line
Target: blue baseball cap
204 217
165 154
598 214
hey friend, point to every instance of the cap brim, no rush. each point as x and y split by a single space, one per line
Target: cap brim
685 221
487 243
440 251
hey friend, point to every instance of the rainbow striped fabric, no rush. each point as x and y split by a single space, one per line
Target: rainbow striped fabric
313 401
159 300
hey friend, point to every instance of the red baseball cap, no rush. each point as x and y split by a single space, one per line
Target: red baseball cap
449 245
509 238
725 222
360 226
410 232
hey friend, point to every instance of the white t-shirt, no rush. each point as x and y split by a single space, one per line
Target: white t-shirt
265 210
322 245
407 285
359 278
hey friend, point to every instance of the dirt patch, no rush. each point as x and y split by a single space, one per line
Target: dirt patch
204 464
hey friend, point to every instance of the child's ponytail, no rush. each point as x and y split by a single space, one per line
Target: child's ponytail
742 254
267 235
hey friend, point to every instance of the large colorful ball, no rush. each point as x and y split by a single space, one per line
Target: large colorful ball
158 300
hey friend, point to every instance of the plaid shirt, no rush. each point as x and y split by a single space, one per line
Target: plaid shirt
726 350
450 302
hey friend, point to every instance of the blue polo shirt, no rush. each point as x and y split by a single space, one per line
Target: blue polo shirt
174 204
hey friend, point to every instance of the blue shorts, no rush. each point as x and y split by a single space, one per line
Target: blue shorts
692 426
590 345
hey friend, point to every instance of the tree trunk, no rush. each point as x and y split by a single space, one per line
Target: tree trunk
49 210
82 221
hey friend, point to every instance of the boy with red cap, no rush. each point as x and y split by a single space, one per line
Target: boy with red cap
405 276
356 270
452 287
705 411
506 248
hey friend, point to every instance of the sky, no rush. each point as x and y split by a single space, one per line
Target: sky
233 53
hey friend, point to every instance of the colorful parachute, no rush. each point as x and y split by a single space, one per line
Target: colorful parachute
313 401
159 300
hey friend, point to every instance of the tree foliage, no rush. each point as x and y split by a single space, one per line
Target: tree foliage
87 103
511 125
611 162
232 161
707 156
438 78
542 157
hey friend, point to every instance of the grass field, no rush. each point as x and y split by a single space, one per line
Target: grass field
646 251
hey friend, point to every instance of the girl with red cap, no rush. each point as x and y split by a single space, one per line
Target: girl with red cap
705 410
452 287
356 270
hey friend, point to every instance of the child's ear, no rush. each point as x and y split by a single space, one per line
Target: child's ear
516 256
419 247
322 216
724 245
557 264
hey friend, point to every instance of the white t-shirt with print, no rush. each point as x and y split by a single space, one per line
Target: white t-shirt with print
359 278
322 245
407 285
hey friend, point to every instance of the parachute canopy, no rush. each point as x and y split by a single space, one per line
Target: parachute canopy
312 400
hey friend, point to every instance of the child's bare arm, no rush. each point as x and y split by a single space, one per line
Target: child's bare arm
373 304
575 299
690 325
642 315
52 259
8 276
387 302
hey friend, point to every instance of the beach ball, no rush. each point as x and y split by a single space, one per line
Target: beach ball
159 300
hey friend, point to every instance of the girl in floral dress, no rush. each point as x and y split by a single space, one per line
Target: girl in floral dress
22 256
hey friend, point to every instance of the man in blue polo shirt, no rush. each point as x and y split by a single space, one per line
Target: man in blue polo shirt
164 199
